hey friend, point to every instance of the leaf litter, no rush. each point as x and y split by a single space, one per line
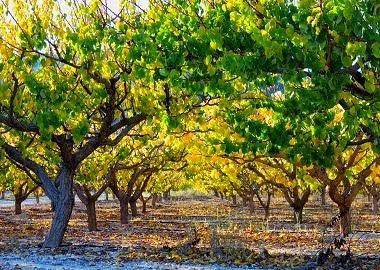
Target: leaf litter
186 233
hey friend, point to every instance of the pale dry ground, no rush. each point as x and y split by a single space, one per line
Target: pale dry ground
172 223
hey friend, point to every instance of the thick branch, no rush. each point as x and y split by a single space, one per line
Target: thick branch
16 124
15 155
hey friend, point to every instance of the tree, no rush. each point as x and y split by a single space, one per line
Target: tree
374 190
346 179
130 178
322 53
257 184
373 187
90 182
19 181
289 181
69 86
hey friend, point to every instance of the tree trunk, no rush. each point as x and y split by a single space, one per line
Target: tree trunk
18 202
3 195
143 206
375 204
63 204
91 215
166 195
37 195
106 193
244 201
124 211
52 206
297 214
323 195
144 202
251 205
234 199
154 199
133 205
345 219
266 212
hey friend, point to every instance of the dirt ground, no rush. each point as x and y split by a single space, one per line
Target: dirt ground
202 230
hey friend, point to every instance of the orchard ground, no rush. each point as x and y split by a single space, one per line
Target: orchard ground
189 232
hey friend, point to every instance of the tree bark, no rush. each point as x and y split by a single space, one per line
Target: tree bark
89 200
21 194
37 195
166 195
374 190
323 195
144 202
244 201
266 212
133 205
234 199
154 200
375 204
18 199
143 210
52 206
296 201
124 215
345 219
63 204
91 215
251 204
298 215
18 202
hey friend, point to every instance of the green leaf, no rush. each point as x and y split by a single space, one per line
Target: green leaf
80 130
376 49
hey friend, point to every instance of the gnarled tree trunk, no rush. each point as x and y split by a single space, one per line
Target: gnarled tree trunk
63 200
